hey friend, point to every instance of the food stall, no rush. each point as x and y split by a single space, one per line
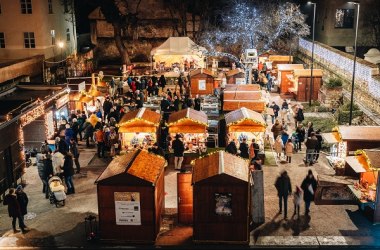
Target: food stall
236 76
366 163
248 124
192 125
131 195
139 128
249 96
279 59
201 82
345 140
221 199
301 84
285 76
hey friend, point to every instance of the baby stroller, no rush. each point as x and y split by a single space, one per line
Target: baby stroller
57 191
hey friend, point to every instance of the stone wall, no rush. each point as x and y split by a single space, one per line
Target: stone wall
335 63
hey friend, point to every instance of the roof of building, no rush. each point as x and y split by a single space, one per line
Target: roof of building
244 114
192 114
360 133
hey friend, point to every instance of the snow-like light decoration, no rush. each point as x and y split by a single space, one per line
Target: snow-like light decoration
325 56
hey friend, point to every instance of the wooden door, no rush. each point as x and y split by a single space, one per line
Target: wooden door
185 198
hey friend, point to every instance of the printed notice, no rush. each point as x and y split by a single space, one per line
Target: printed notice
127 208
202 84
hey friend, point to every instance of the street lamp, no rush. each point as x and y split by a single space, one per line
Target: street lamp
60 45
353 73
312 53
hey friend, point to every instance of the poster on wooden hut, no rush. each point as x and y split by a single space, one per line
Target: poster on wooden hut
223 204
240 81
127 208
201 84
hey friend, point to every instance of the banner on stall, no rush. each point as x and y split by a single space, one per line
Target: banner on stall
201 84
127 208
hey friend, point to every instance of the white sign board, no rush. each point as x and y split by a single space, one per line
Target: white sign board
82 86
240 81
201 84
127 208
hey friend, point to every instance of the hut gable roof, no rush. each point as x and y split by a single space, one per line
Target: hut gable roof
190 114
201 71
234 72
249 87
373 156
244 114
141 114
307 72
220 163
139 163
360 133
289 66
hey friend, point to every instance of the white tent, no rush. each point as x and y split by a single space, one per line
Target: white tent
178 50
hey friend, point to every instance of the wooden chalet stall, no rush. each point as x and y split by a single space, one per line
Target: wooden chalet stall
279 59
302 83
236 76
221 196
201 82
366 163
192 125
248 124
285 76
345 140
139 127
249 96
131 198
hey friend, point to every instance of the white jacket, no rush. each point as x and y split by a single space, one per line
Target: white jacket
58 159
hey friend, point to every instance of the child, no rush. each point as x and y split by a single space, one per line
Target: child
297 199
289 147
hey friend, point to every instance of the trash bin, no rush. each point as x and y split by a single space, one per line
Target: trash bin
91 227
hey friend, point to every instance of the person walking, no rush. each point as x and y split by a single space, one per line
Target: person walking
75 152
319 145
289 147
277 129
42 173
278 146
179 150
297 198
298 118
311 145
300 135
68 172
309 185
276 109
254 149
244 150
14 210
310 129
23 200
231 147
197 103
284 189
99 140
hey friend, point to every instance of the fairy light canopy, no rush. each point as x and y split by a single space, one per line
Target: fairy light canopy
188 121
245 120
139 121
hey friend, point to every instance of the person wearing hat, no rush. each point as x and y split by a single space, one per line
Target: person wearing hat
23 200
14 210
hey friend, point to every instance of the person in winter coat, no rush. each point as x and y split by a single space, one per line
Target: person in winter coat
107 105
68 172
42 172
69 133
61 145
289 147
300 135
179 150
197 103
276 109
58 160
319 145
298 118
311 145
244 150
75 128
309 185
277 129
231 147
284 189
310 129
278 146
14 210
88 133
23 200
162 82
75 152
297 198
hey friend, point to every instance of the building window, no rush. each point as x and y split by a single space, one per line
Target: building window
2 40
50 6
52 34
344 18
26 6
68 35
29 41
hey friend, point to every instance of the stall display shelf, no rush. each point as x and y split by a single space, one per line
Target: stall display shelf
358 196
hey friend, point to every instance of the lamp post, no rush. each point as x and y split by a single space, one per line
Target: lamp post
312 54
353 73
60 45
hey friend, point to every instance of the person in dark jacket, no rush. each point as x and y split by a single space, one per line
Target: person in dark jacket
244 149
179 150
61 145
311 145
162 82
310 129
165 106
75 128
309 185
157 150
107 105
298 118
276 109
284 189
231 147
300 135
319 145
88 132
197 103
75 152
23 200
68 172
14 210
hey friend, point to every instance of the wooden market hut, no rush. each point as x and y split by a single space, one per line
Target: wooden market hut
302 83
188 121
249 96
139 121
285 76
201 82
280 59
235 76
366 163
131 198
221 199
245 120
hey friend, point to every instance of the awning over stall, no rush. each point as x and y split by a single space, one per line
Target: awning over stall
360 133
140 121
188 121
245 120
331 138
364 160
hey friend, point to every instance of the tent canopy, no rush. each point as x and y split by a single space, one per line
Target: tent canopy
178 46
